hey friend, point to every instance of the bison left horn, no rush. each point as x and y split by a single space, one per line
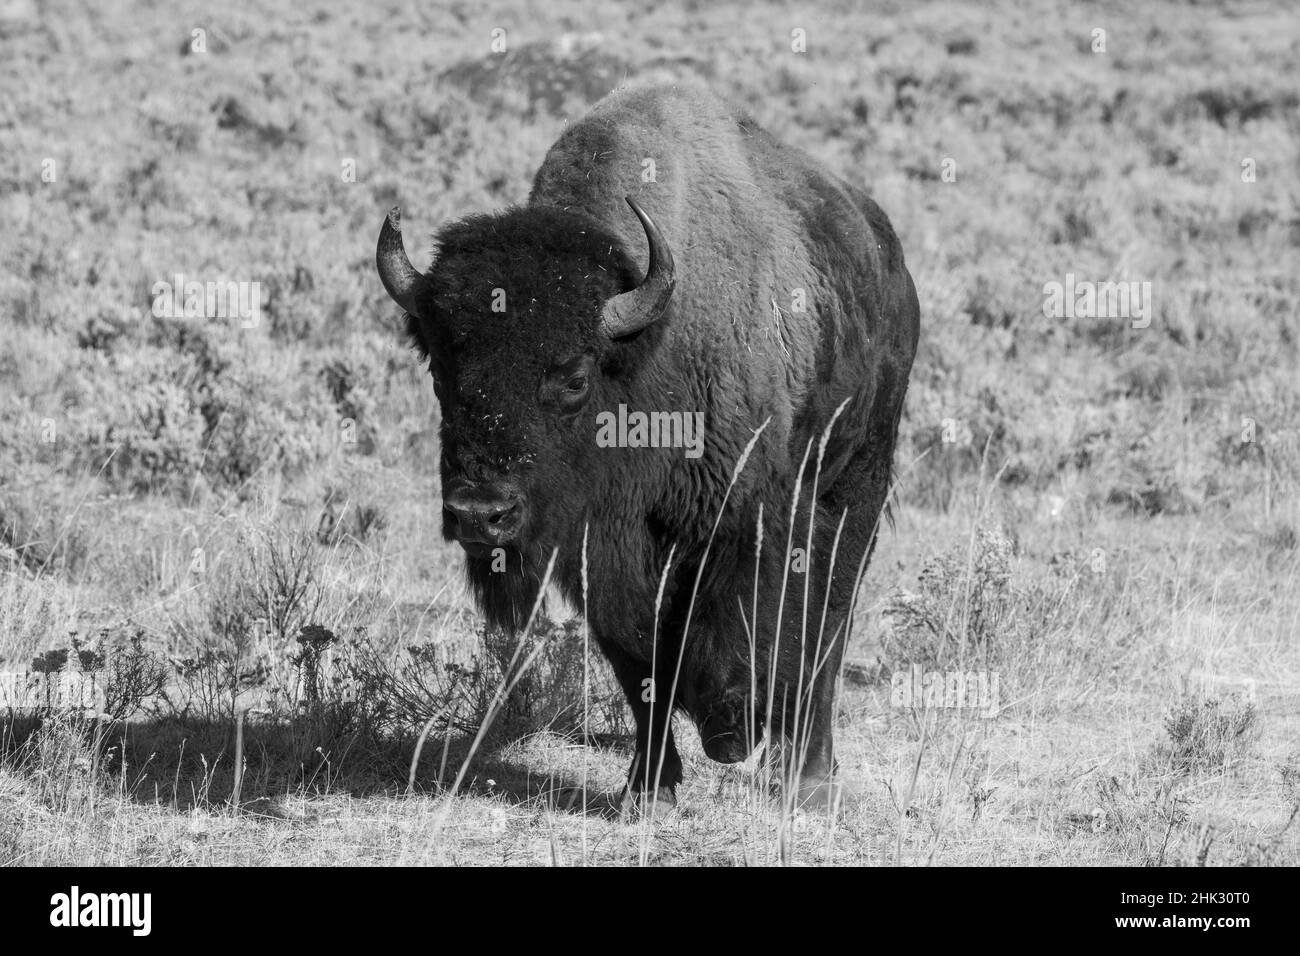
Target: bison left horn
400 278
633 311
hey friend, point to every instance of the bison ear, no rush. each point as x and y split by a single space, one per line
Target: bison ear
415 336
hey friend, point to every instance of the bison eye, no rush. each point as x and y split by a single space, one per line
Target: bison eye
573 394
567 385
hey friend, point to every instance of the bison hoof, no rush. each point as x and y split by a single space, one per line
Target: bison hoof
647 803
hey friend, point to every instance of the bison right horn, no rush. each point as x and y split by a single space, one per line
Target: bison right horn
400 278
633 311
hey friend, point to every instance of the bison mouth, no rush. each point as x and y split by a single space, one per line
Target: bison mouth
478 550
496 559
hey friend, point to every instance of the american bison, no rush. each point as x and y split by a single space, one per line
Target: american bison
573 344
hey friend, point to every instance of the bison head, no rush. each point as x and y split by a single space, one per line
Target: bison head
525 318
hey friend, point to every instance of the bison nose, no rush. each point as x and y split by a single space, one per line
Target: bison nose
484 516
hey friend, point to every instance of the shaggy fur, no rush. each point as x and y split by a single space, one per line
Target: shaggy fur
753 225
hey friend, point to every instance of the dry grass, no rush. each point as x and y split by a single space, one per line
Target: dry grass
1105 516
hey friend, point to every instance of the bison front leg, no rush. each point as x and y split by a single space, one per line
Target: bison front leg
853 506
806 654
656 767
801 705
818 788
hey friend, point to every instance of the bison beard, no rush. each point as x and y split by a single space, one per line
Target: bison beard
751 285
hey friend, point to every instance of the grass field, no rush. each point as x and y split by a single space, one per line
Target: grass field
233 527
